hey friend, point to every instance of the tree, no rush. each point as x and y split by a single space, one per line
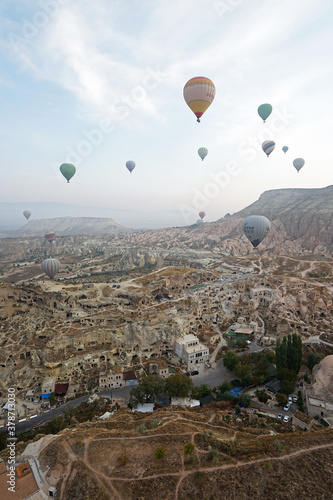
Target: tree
241 370
69 413
230 360
313 359
246 381
200 392
148 390
281 399
262 396
178 385
244 400
225 387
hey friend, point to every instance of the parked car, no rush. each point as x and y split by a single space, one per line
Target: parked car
286 408
286 418
295 399
290 399
188 374
195 373
280 416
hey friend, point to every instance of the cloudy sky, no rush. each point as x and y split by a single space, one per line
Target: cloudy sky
99 83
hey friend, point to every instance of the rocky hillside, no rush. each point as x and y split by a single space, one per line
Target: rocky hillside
70 226
301 224
180 454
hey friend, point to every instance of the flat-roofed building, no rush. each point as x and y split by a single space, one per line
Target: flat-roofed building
112 379
191 351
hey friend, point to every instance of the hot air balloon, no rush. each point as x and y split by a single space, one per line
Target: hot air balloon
67 170
27 214
50 267
199 93
285 149
202 152
256 228
264 111
130 165
298 164
268 147
50 236
202 215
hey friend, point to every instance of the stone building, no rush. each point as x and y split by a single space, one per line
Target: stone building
191 351
112 379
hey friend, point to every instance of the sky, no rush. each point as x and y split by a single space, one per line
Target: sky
99 83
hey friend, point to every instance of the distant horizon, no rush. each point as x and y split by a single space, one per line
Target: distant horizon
144 220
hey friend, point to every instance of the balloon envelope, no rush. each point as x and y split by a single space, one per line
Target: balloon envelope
130 165
50 267
202 215
298 163
264 111
202 152
50 236
268 147
285 149
199 93
67 170
27 214
256 228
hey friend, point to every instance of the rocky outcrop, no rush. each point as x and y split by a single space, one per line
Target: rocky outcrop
70 225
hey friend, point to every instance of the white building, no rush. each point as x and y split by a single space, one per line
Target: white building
189 349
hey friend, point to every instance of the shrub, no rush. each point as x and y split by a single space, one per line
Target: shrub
160 452
141 428
122 460
278 445
189 448
268 465
214 454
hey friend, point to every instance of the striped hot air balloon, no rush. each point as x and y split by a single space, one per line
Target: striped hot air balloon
50 236
268 147
199 93
202 215
298 164
202 152
50 267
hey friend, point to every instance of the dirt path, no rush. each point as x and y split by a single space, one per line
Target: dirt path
107 481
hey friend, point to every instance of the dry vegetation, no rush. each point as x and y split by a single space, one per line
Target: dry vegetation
241 459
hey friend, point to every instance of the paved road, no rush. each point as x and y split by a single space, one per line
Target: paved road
122 392
213 376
